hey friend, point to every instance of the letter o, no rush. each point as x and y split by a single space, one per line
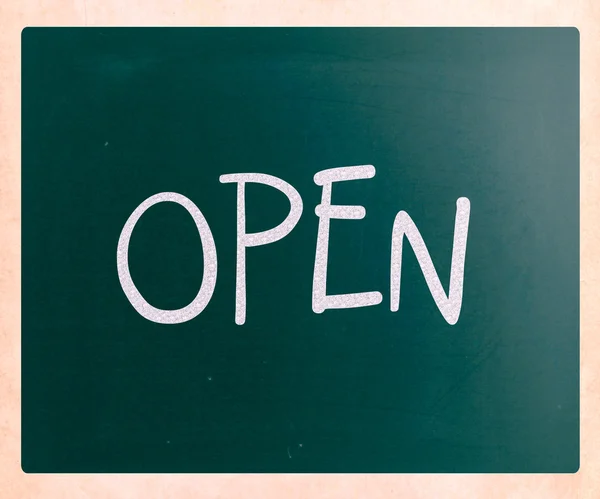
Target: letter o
209 279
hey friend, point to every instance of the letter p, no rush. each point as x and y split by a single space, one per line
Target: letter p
245 240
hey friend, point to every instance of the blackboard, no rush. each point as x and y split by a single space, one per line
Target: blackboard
111 117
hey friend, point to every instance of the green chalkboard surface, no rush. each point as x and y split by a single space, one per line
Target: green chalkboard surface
234 352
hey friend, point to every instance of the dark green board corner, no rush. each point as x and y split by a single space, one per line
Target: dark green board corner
113 116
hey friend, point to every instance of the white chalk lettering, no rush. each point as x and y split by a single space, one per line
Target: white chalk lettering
325 211
245 240
449 305
209 250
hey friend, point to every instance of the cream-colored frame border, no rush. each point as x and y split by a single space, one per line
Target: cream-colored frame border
16 14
